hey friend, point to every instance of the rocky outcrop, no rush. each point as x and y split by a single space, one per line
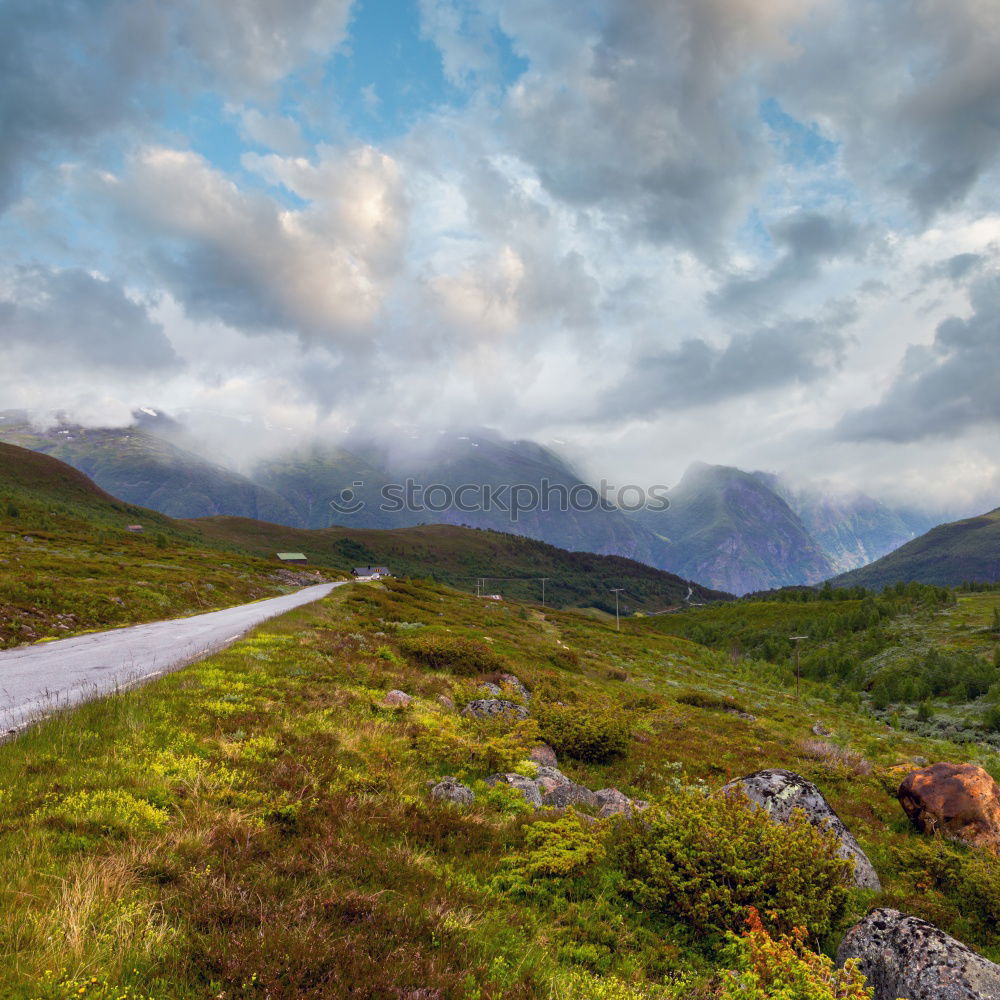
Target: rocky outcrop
452 790
490 708
960 801
396 699
904 956
526 786
569 793
613 802
781 792
544 755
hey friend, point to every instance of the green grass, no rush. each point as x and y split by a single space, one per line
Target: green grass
258 825
68 564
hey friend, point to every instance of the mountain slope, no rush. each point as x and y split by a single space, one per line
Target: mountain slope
947 555
731 531
509 564
850 529
143 468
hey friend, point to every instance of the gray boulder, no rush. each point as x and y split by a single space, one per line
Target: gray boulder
780 792
396 699
544 755
524 785
489 708
452 790
569 794
493 690
548 778
904 956
819 729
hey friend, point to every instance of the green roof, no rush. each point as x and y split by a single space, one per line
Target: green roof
291 555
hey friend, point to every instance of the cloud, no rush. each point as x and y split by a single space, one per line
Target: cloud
72 320
238 255
73 73
643 109
809 240
697 373
911 89
943 389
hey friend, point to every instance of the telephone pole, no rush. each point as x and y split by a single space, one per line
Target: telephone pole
797 639
618 622
544 580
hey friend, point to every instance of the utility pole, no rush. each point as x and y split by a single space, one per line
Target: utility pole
544 579
797 639
479 586
618 622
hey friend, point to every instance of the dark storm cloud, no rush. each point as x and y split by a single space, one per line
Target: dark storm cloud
699 374
80 322
809 240
943 389
956 268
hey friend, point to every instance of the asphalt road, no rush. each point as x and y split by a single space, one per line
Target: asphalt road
36 680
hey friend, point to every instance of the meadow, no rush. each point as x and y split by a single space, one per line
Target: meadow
259 824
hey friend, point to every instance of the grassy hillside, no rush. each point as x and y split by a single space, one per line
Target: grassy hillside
947 555
511 564
67 563
259 824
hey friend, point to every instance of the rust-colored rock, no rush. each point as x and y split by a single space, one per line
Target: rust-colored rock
960 801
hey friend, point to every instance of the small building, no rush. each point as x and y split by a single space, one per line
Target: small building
370 572
135 528
293 557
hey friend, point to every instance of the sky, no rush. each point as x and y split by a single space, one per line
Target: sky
645 231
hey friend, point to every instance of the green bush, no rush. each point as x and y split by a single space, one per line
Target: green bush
707 860
597 736
700 699
451 653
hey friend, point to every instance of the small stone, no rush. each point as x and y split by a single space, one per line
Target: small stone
487 708
524 785
445 702
921 761
396 699
493 690
544 755
819 729
452 790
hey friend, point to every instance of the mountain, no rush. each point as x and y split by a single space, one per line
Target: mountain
947 555
141 467
850 529
489 464
731 531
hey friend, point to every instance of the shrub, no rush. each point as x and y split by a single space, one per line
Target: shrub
597 736
562 848
451 653
708 859
767 968
700 699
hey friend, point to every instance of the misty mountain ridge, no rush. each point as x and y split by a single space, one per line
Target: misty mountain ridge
726 528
